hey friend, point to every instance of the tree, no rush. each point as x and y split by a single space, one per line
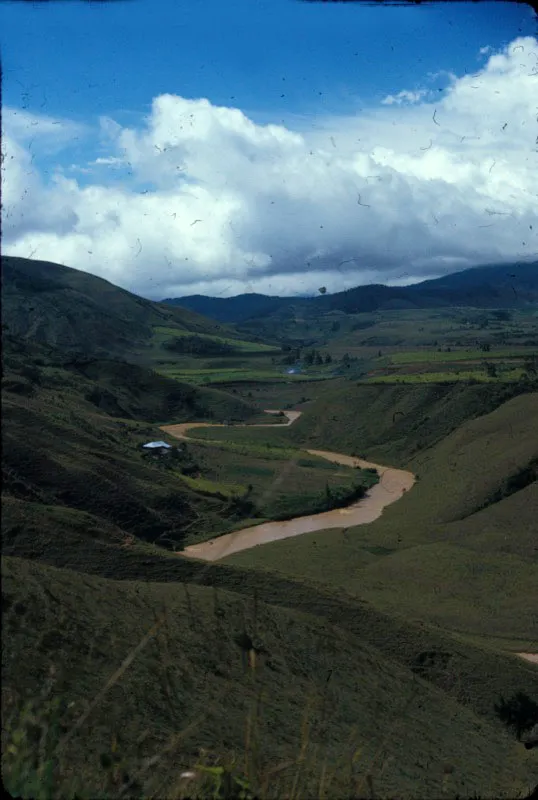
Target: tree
199 345
328 359
530 365
319 358
491 370
335 326
346 358
519 712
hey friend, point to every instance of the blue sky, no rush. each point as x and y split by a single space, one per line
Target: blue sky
264 56
280 62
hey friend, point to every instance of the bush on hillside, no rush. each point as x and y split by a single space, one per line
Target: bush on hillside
199 346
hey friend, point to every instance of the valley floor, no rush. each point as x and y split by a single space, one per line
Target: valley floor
392 485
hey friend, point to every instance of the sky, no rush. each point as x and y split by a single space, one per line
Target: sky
272 146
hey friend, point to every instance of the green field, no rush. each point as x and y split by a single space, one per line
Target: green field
162 333
201 376
234 376
417 356
463 375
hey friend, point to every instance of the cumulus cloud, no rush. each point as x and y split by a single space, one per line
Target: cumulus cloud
209 201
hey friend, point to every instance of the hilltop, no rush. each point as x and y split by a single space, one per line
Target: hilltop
231 309
70 309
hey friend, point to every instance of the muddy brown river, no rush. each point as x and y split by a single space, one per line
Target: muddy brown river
392 485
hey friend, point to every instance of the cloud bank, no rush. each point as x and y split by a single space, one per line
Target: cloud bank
200 199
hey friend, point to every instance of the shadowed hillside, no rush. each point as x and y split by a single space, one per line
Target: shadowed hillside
183 673
72 435
396 422
68 308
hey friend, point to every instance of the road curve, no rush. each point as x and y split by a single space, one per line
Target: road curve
392 485
532 657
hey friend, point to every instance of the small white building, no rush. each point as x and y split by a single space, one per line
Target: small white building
157 448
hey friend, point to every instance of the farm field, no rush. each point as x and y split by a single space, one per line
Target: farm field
365 333
264 483
219 376
427 376
462 354
419 345
163 333
505 364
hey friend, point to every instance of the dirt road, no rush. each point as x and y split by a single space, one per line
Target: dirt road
392 485
532 657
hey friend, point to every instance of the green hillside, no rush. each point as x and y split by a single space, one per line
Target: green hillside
73 430
460 549
376 661
72 435
170 685
63 307
393 421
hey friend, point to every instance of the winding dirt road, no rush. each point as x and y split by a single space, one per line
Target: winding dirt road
392 485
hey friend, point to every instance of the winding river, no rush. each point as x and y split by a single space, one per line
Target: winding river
392 485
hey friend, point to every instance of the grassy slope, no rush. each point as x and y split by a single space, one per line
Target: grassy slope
187 696
434 555
64 307
474 676
62 448
72 438
454 327
393 422
365 333
288 484
144 394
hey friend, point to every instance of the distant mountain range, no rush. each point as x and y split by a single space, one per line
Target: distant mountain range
497 286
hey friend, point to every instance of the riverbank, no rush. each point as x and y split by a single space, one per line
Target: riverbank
392 486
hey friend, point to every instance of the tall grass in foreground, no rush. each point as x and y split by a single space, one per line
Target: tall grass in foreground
37 734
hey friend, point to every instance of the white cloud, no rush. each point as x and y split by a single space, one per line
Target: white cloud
395 193
109 160
50 133
404 97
